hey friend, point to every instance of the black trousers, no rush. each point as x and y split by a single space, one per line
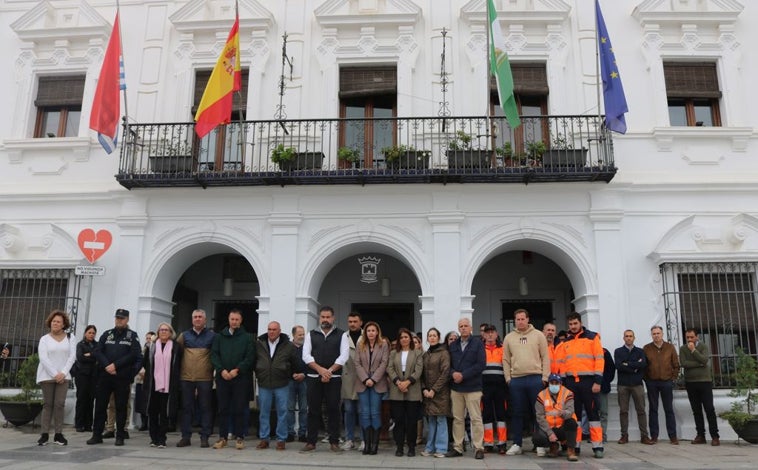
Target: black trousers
157 412
106 385
405 413
85 401
567 432
700 395
316 391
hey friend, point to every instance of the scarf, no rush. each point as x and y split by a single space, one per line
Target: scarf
162 365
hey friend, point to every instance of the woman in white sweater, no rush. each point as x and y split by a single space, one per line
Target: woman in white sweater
57 353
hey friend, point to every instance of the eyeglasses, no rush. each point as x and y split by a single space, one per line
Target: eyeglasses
164 329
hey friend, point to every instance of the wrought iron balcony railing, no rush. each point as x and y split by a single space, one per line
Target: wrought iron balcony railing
367 151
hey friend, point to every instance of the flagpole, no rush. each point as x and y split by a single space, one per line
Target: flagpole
597 70
121 62
488 71
242 136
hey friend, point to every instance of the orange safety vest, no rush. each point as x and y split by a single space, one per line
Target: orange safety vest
581 355
494 360
554 408
552 350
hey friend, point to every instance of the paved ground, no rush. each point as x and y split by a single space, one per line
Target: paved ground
18 450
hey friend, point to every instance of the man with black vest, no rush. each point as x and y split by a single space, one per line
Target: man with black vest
118 352
325 351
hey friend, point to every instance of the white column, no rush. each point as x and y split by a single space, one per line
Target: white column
285 223
446 235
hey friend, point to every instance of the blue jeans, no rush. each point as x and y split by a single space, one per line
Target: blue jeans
351 413
265 397
436 434
298 400
524 391
370 407
200 391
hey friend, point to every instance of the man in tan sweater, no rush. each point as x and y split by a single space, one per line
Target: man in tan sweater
526 364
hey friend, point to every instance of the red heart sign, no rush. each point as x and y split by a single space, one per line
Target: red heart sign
94 245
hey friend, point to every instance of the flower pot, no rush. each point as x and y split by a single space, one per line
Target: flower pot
171 164
303 161
19 413
479 159
749 432
573 158
410 160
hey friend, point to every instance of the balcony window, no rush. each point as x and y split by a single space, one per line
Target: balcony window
222 148
693 94
59 106
531 91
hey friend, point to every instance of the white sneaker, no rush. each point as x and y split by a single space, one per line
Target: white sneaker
424 453
325 440
514 450
361 447
348 445
440 455
541 451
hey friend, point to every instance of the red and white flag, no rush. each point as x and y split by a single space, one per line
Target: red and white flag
106 106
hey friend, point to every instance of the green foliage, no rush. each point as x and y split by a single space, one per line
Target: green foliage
535 149
461 141
560 142
745 383
27 379
349 154
505 151
280 153
395 152
176 147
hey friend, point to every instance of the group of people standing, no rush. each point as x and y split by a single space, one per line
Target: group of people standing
545 381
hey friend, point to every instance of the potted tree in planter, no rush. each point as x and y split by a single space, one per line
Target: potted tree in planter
535 149
172 156
741 417
406 157
289 159
506 153
563 154
460 153
27 405
348 157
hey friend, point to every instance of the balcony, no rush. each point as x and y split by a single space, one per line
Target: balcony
368 151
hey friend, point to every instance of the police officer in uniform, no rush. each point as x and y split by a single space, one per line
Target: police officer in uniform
118 354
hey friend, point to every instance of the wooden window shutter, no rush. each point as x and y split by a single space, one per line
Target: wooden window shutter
367 81
691 80
60 91
528 79
239 102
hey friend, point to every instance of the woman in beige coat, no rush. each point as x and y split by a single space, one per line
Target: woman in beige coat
371 356
404 371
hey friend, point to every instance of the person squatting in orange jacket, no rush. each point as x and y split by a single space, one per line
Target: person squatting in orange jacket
494 393
581 363
556 421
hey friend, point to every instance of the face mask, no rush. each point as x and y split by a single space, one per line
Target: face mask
554 388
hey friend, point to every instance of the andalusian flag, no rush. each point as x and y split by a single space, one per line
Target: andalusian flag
216 104
106 104
501 68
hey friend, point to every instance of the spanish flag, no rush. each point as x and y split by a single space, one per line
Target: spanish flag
216 104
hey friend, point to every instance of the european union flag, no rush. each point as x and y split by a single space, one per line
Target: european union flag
613 90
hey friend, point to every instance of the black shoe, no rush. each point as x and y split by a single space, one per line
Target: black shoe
94 440
80 429
60 440
399 452
125 434
290 438
411 451
119 441
109 435
302 439
142 428
43 438
479 454
184 442
453 453
204 442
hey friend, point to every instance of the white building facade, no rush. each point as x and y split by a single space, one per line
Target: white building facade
669 237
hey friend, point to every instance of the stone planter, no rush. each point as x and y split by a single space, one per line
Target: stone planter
172 164
749 432
410 160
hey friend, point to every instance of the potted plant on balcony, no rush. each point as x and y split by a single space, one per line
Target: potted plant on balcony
289 159
535 149
742 416
26 406
562 153
406 157
505 152
348 156
171 156
460 153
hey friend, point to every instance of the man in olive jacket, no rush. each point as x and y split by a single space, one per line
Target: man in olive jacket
275 360
233 358
695 358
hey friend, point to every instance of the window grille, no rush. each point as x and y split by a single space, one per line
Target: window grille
718 300
27 296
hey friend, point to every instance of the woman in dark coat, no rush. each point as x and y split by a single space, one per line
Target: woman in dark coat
436 393
404 371
161 386
85 378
